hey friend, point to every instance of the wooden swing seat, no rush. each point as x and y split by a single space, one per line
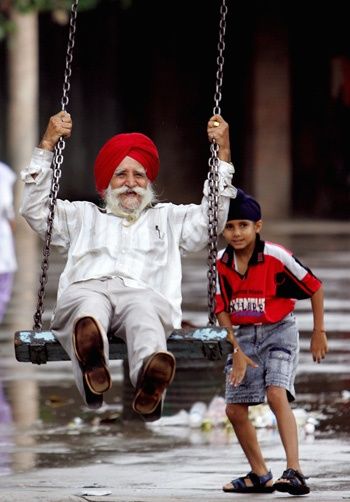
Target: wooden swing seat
40 347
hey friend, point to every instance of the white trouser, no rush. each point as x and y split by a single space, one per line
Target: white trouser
141 317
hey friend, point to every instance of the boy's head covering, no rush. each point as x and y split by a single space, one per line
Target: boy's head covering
244 207
135 145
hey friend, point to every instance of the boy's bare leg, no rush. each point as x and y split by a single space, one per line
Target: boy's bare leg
246 435
286 423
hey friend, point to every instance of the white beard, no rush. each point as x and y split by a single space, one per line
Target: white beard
131 214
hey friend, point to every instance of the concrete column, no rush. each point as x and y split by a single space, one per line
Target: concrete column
22 127
271 139
22 137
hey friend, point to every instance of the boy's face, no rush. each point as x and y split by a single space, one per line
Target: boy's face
241 234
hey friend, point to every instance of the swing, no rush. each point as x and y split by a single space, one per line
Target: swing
39 346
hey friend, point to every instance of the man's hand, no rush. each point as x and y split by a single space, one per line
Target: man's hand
59 125
218 130
318 345
239 367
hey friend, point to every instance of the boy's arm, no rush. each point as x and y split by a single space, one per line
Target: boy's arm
318 343
225 321
240 360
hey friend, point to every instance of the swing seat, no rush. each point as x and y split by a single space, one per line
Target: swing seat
40 347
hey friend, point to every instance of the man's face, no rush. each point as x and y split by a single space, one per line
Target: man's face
129 177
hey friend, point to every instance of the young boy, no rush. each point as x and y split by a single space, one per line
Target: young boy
258 285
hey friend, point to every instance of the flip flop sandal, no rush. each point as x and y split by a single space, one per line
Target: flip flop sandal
258 484
88 347
156 375
295 483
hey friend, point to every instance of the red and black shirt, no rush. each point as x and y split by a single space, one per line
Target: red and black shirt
268 291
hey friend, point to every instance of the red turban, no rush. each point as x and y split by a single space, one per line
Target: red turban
135 145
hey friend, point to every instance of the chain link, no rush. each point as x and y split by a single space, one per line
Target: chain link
56 170
213 176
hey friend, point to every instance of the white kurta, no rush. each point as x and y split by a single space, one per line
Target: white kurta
146 254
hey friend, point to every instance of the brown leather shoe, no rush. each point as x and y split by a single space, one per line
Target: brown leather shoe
88 347
156 375
94 401
155 415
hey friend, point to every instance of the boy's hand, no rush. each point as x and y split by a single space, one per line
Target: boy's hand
318 345
239 368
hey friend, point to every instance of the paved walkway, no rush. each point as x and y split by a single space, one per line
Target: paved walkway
188 473
185 465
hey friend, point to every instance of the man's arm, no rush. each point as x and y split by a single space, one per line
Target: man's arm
37 177
59 125
194 224
218 130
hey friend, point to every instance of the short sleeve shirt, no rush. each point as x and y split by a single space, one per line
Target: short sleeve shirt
275 279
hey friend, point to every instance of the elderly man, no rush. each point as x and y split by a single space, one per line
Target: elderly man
123 262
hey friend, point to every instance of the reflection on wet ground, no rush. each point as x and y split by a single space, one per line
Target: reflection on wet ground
58 431
44 424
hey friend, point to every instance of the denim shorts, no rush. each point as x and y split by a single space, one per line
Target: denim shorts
275 348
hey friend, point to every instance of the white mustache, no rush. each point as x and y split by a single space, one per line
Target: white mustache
127 190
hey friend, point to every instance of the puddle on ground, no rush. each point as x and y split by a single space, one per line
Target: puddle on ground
43 422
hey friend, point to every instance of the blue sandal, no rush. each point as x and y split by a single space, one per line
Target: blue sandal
295 483
258 484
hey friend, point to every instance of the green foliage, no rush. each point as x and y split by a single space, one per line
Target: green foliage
26 6
5 26
42 5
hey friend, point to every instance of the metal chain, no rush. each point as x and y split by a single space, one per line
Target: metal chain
56 170
213 177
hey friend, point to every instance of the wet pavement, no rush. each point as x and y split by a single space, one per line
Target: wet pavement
52 448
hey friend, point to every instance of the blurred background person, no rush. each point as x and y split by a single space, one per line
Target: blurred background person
8 263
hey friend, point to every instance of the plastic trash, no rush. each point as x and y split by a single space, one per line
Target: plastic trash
216 413
197 414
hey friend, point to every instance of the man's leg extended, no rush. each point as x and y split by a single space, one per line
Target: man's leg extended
89 350
142 319
80 324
